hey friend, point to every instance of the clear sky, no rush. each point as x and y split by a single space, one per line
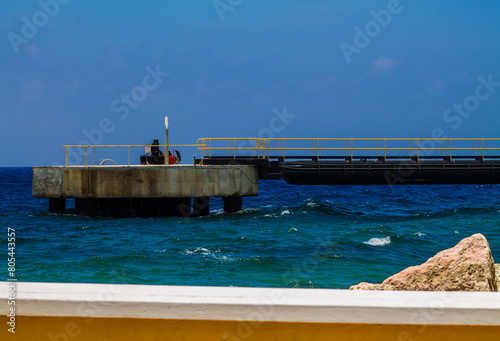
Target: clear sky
111 70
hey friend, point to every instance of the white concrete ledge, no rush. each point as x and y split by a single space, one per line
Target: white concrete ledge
254 304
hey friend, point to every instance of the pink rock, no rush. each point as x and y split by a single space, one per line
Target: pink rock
468 266
497 273
370 286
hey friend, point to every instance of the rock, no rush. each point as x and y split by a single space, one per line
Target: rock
468 266
497 273
370 286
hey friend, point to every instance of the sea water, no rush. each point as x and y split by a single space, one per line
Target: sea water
287 236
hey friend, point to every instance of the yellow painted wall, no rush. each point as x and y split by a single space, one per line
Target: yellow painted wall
78 328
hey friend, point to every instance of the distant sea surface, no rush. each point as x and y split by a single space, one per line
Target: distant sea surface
288 236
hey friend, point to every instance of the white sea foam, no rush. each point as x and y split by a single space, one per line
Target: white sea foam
379 241
285 212
204 252
419 234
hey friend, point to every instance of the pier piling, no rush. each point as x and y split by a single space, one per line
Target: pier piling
232 204
57 205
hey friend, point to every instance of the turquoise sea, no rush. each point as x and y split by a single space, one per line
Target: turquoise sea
288 236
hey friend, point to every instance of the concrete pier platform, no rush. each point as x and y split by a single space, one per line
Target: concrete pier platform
153 191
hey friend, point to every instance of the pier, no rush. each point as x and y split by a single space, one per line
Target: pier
363 161
231 168
151 190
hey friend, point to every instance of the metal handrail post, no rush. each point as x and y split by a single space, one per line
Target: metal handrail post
418 150
352 150
483 151
385 150
317 146
451 149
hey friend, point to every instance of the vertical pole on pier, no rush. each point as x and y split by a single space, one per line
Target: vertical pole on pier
165 155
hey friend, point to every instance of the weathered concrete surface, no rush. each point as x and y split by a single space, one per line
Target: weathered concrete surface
468 266
47 180
144 181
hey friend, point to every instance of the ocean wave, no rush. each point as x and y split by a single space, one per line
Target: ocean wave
406 209
83 227
246 211
327 207
328 256
379 241
214 253
261 260
455 211
301 283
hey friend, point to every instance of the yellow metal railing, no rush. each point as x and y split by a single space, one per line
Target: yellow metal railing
351 148
233 146
88 153
316 148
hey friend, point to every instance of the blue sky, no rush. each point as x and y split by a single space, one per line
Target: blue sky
225 68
